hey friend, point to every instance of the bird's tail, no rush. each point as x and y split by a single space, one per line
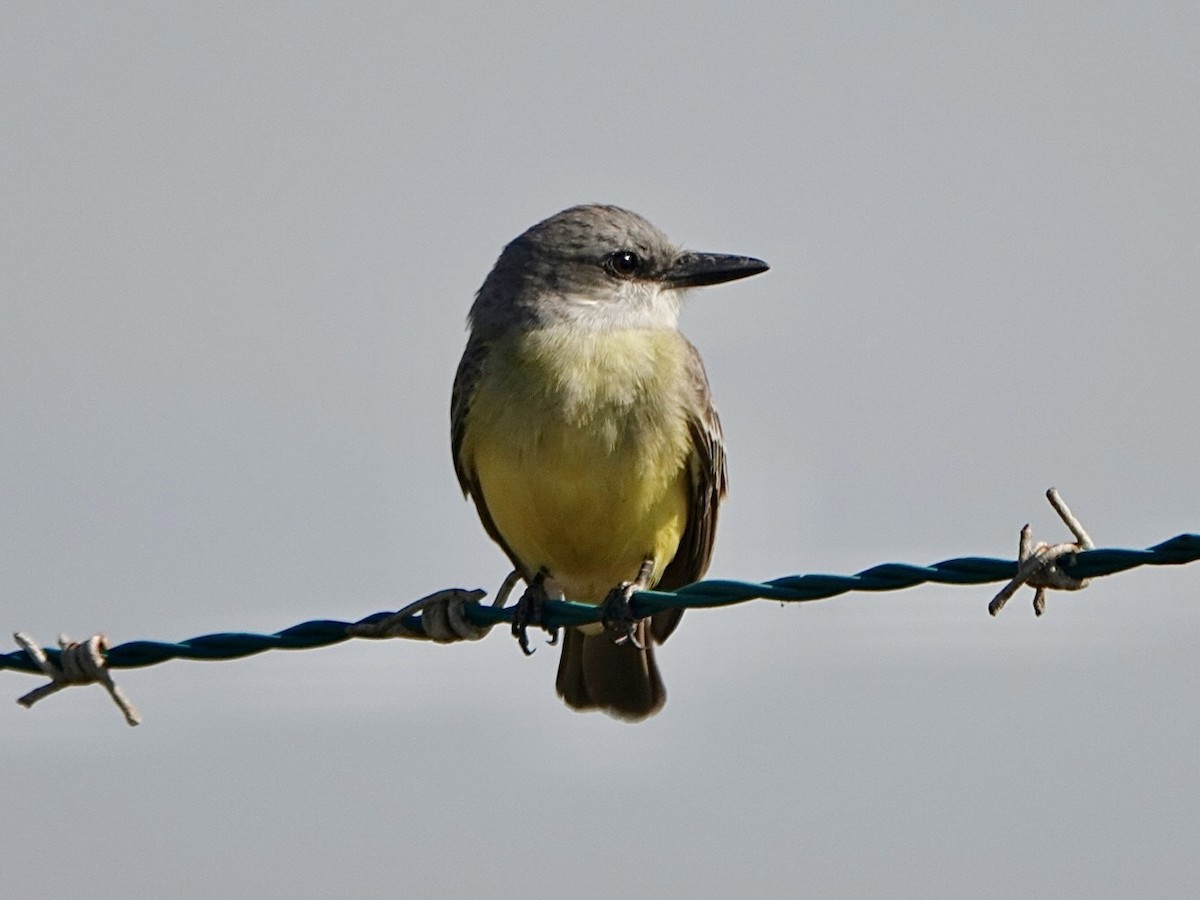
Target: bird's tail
594 672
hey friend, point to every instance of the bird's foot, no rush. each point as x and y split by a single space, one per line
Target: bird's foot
528 612
616 613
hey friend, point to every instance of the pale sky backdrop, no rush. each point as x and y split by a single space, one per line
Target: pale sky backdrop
239 242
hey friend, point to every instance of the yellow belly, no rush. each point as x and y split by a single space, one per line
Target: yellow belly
580 445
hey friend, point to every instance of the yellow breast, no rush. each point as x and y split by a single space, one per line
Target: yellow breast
580 443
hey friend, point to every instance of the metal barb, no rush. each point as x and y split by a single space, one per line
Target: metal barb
79 662
443 619
1038 564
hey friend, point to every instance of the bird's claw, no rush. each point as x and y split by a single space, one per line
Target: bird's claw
616 613
528 612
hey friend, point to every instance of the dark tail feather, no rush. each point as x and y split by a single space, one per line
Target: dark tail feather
619 679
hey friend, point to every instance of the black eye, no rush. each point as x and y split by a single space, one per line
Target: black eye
624 263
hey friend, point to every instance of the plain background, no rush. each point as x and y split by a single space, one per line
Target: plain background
238 245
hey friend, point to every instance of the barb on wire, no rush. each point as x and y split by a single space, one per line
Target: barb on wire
77 662
1038 564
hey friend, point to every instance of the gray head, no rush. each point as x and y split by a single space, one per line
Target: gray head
597 267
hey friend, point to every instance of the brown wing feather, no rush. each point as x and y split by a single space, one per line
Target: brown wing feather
707 484
465 381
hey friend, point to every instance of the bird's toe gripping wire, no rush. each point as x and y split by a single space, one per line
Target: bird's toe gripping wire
616 612
1038 564
529 609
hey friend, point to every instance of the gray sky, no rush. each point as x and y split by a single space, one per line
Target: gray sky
239 244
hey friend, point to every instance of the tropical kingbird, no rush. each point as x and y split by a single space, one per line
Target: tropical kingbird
584 430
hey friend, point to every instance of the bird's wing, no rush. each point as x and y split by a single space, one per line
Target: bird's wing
707 483
466 379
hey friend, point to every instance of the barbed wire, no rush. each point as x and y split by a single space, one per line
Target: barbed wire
967 570
456 614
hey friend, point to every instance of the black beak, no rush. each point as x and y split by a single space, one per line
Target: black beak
698 269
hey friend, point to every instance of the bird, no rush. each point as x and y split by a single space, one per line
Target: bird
583 428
